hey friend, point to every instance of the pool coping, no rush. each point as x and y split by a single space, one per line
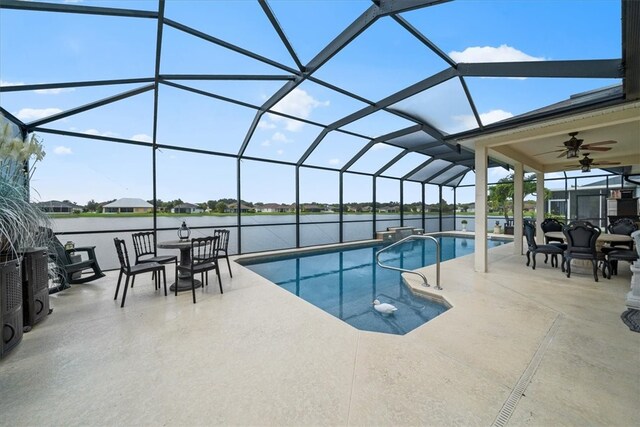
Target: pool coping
318 249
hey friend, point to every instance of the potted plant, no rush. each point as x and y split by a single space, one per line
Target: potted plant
464 224
19 219
496 228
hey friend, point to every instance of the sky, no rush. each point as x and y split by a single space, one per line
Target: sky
383 59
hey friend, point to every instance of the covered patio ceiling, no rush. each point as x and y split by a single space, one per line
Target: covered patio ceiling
539 146
435 117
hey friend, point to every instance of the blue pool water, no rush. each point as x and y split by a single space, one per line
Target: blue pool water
345 282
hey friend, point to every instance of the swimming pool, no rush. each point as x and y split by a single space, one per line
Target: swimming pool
344 282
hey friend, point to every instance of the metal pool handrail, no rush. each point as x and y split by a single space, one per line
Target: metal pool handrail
404 270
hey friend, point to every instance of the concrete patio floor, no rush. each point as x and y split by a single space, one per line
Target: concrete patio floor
258 355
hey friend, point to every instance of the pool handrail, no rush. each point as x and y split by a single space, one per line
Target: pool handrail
404 270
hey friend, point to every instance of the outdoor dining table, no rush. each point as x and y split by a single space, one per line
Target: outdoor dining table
184 277
602 238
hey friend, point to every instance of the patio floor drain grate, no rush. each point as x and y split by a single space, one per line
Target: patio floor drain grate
518 391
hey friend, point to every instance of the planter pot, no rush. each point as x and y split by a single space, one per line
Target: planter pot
10 305
497 230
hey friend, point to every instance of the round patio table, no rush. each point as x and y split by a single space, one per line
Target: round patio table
184 278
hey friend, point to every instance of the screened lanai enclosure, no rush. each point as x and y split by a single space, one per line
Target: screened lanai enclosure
298 123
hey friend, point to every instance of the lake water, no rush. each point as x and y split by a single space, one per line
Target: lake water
259 232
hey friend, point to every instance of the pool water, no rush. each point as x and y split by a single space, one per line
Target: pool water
345 282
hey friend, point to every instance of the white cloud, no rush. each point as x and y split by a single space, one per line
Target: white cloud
142 137
264 124
380 146
280 152
28 114
53 91
62 150
6 83
503 53
334 162
468 121
280 137
494 116
297 103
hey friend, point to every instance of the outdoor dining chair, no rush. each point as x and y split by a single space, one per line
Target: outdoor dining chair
581 239
223 246
533 248
145 250
203 260
552 224
132 271
624 226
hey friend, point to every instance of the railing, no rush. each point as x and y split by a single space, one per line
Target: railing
404 270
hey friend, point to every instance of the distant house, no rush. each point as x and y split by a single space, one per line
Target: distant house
233 208
55 206
128 205
389 209
187 208
312 208
272 207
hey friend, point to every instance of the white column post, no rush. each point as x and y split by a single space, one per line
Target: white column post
539 206
518 190
481 161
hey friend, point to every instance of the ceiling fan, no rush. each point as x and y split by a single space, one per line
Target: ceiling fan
573 145
586 162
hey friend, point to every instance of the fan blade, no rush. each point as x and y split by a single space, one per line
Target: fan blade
591 144
604 162
590 148
564 153
549 152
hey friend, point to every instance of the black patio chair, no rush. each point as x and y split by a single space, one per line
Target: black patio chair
552 224
581 239
132 271
203 260
533 248
145 250
619 255
66 267
508 225
624 226
223 246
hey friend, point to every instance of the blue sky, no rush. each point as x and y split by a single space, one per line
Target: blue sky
38 47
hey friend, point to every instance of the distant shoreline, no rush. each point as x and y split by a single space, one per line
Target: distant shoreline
228 214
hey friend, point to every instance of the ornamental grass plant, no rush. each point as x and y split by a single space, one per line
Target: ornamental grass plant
20 221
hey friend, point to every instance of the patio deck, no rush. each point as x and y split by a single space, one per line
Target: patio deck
258 355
